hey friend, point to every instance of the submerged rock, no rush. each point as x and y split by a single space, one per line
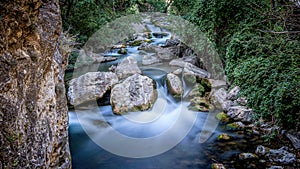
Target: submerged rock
174 85
136 93
127 67
90 86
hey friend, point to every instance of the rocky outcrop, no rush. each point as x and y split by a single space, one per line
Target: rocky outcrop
33 113
220 97
127 67
90 86
240 113
174 85
136 93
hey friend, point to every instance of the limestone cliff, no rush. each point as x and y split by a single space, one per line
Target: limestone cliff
33 112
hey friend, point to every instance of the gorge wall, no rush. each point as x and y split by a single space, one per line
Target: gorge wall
33 112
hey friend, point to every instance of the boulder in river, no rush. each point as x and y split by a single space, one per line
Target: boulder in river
190 68
90 86
136 93
150 59
174 85
127 68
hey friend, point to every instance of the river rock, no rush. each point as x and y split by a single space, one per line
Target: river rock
240 113
219 96
171 42
222 117
235 126
247 156
127 67
136 93
233 93
174 85
294 138
90 86
160 34
280 155
224 137
218 166
190 68
150 59
242 101
200 104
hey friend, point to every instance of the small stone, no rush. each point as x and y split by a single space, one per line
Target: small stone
262 150
217 166
223 137
247 156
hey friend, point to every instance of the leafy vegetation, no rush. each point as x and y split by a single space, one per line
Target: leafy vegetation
259 44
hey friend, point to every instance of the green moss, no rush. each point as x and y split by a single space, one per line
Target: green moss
224 137
222 117
136 43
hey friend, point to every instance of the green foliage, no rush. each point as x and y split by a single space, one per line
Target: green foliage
266 67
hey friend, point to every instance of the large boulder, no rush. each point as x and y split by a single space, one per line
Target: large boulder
90 86
174 85
127 67
190 68
136 93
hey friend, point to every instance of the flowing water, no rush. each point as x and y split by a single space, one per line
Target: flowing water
89 127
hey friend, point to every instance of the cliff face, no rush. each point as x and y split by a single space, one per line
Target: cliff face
33 112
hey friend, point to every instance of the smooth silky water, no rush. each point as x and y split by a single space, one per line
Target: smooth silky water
167 115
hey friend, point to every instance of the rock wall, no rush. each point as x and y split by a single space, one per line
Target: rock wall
33 112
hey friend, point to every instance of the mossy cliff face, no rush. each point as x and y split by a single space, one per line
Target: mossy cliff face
33 112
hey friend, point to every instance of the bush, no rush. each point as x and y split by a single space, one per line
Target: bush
267 68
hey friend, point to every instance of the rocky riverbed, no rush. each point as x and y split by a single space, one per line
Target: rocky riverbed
153 69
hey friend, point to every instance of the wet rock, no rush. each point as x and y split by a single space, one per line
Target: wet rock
200 104
275 167
160 34
233 93
171 42
90 86
136 93
240 113
127 68
262 150
112 68
174 85
217 166
235 126
219 97
150 59
197 91
222 117
294 138
247 156
122 51
190 68
242 101
165 54
224 137
280 155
